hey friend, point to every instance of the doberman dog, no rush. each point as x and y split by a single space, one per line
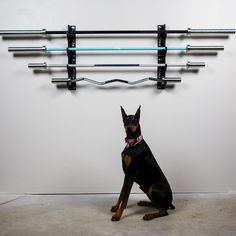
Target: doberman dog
140 166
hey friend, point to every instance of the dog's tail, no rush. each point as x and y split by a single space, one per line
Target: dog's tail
172 207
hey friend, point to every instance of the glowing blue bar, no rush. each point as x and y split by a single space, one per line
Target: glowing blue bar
119 49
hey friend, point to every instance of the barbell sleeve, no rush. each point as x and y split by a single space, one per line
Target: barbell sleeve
211 31
60 80
37 65
172 79
204 48
27 49
23 32
195 64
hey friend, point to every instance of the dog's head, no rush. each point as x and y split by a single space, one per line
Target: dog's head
131 122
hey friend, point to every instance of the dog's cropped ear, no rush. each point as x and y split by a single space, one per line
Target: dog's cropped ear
137 114
123 113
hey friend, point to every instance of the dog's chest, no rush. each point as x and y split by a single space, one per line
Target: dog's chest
126 160
130 163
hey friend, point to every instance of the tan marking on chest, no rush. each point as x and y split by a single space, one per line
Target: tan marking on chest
127 160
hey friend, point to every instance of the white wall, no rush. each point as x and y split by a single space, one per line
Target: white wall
55 140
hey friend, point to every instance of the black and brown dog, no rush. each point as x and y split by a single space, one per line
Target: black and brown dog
140 166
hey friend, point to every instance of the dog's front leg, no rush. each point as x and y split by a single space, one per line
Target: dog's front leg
123 199
122 194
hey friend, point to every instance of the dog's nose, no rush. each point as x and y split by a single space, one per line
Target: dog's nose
129 128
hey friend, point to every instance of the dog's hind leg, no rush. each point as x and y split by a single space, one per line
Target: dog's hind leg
151 216
160 199
144 203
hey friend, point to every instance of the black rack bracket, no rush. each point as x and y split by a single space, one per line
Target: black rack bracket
71 38
161 56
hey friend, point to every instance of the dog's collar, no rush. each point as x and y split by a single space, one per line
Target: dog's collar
131 142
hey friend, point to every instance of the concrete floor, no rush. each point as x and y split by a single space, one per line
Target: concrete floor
198 214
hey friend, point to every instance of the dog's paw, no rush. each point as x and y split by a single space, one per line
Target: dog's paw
155 215
147 217
114 208
115 217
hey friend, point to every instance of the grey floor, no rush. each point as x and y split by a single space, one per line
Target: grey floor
195 214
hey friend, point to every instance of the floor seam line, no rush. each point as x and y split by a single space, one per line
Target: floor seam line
12 200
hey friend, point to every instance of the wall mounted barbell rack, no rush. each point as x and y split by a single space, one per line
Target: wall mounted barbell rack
71 50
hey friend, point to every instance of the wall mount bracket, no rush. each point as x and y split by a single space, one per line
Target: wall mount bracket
71 38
